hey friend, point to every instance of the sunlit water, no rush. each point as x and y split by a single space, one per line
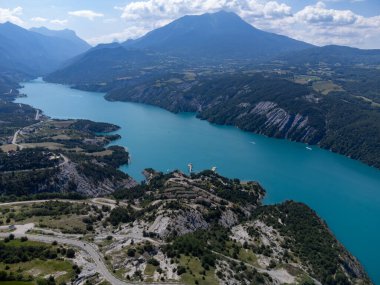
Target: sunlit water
344 192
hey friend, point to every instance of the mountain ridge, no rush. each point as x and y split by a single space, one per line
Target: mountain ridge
66 34
32 53
333 54
208 39
217 34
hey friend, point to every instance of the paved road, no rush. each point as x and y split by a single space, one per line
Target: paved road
37 117
90 249
14 140
96 201
100 266
87 247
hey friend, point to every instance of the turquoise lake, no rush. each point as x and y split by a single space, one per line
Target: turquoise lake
344 192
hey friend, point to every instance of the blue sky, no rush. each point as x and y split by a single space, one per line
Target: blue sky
346 22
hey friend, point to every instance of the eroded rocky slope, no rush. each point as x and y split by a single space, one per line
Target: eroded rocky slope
206 229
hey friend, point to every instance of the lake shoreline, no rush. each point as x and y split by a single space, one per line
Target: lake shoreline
343 191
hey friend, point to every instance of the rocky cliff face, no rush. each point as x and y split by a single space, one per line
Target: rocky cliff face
268 118
172 216
69 176
220 224
272 107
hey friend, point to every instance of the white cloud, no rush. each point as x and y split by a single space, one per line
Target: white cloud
319 25
319 14
171 9
316 23
11 15
88 14
39 19
59 22
276 10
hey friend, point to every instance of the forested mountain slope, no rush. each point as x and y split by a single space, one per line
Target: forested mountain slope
33 53
270 106
215 37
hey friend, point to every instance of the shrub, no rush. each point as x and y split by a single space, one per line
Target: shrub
154 262
70 253
131 252
181 270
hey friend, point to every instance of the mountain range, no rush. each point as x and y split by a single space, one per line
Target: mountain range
333 55
65 34
38 51
217 39
208 39
220 36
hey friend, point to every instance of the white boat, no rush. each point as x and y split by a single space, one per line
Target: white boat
309 148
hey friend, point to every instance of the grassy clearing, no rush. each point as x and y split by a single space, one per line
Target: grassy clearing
304 279
61 137
22 214
36 268
60 269
101 153
120 273
61 124
8 147
48 145
305 79
17 242
195 272
150 269
248 256
325 87
67 224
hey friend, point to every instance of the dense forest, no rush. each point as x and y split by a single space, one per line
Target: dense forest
309 238
14 116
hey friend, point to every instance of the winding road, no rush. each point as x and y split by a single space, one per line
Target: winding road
101 267
88 248
85 246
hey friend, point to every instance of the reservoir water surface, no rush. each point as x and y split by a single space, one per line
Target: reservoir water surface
344 192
